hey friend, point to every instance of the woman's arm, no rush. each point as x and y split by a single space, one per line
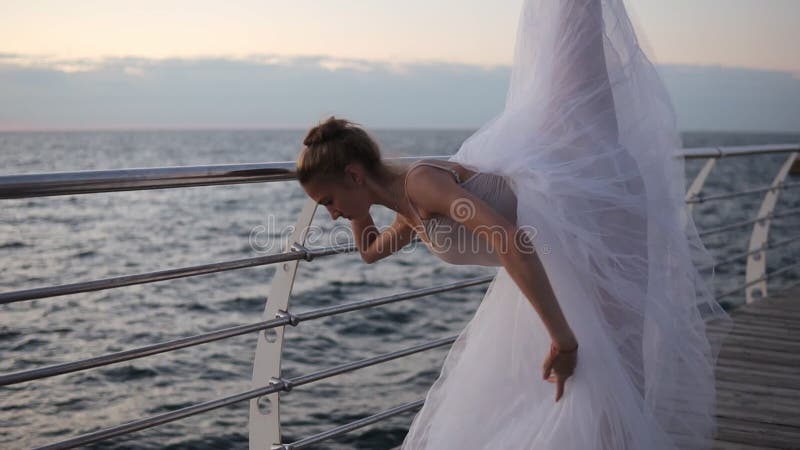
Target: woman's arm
434 191
373 244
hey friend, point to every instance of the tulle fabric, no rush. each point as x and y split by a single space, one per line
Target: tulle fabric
589 143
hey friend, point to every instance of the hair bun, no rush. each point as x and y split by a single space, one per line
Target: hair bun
325 131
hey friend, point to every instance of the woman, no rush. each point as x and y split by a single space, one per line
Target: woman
576 193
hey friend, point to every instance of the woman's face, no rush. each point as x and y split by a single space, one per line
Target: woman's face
346 198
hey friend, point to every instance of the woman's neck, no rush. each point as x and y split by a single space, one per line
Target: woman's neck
390 191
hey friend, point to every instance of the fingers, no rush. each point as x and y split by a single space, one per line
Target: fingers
560 381
558 375
560 388
548 366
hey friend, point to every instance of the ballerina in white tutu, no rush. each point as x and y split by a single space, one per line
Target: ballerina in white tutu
593 332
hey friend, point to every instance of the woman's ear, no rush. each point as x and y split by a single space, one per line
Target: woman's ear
354 172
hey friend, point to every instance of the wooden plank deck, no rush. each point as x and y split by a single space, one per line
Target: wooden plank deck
758 377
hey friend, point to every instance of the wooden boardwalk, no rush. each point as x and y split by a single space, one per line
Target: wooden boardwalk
758 377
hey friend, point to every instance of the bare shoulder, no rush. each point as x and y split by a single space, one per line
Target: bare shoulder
423 172
428 188
423 180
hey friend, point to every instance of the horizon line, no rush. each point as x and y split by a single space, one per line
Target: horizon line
154 128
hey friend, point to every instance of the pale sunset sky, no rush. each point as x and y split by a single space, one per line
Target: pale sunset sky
67 49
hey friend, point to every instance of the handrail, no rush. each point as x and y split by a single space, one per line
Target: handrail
169 274
739 150
789 286
744 223
275 385
348 427
94 181
759 279
286 318
780 186
738 256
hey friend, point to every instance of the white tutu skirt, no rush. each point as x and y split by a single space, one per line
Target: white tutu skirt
588 142
491 395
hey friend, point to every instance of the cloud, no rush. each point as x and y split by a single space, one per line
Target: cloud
725 98
248 92
292 91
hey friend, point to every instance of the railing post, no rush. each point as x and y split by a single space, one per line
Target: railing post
757 262
264 424
699 180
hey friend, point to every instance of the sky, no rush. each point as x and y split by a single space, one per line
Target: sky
728 64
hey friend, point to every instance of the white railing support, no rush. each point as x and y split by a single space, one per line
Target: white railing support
265 424
699 181
757 262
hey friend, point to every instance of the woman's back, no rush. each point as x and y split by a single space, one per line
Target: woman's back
450 240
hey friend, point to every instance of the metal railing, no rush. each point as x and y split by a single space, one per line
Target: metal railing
756 276
267 381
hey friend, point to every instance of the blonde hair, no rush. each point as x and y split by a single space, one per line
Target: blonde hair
333 144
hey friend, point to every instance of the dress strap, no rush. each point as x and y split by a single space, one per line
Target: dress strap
405 190
428 163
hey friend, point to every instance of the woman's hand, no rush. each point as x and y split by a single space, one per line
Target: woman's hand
562 363
364 231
